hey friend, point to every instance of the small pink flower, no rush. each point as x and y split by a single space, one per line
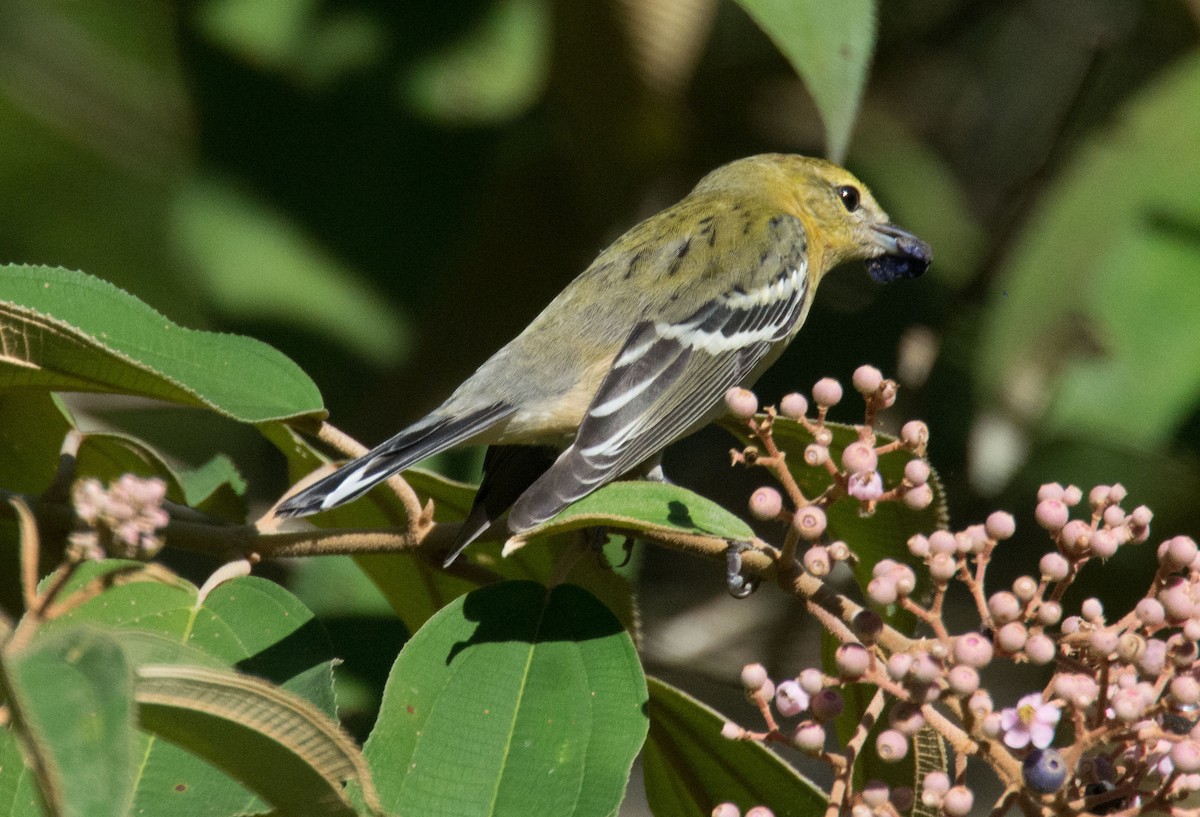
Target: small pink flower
1030 721
866 486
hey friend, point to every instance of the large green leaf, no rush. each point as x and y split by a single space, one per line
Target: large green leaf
690 768
72 699
1108 261
67 331
830 46
250 624
513 700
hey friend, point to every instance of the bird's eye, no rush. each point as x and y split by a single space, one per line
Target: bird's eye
849 196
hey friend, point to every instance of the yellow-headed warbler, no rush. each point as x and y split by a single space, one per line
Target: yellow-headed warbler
640 349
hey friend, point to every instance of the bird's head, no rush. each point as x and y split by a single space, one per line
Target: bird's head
841 217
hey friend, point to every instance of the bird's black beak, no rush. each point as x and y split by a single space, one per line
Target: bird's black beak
902 255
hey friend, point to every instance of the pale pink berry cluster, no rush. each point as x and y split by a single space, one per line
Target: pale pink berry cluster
858 474
1115 729
125 519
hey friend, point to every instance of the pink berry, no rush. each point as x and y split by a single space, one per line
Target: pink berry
942 567
906 718
1054 566
1127 704
867 380
1154 657
898 665
942 541
1151 613
827 392
1000 525
1072 495
918 546
973 650
903 798
823 436
809 522
1181 550
980 704
1117 493
858 457
918 498
1098 497
817 561
726 810
1114 516
1102 643
811 681
1050 613
760 811
793 405
1024 588
853 660
891 746
936 783
1092 610
963 680
958 802
1051 514
754 677
1141 516
917 472
1177 602
915 435
1051 490
742 403
765 503
1103 544
731 731
1004 607
875 794
1075 535
1186 756
816 455
1040 649
1185 690
882 590
906 580
839 551
1012 637
809 737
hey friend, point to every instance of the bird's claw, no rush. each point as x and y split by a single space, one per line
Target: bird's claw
739 586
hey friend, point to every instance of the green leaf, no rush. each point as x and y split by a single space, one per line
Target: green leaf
491 75
690 768
259 266
1096 308
71 332
648 506
531 701
248 623
72 702
830 46
279 744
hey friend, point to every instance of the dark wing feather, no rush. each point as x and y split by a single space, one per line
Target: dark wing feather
430 436
665 381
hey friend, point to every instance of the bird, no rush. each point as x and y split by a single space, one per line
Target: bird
640 349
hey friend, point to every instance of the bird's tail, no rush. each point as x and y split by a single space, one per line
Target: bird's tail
428 437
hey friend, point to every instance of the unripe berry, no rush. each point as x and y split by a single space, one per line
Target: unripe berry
1012 637
867 380
1049 613
1074 535
915 435
942 567
809 522
853 660
1185 690
1128 705
1040 649
1044 770
1180 552
811 681
823 436
875 794
882 590
1154 658
906 718
726 810
1000 525
1114 516
827 392
1092 610
1151 613
935 785
980 704
963 680
958 802
816 455
906 580
1141 516
1103 544
1024 588
918 546
859 456
817 561
1071 495
742 403
918 498
1098 497
942 541
1004 607
917 472
1102 643
1051 514
731 731
760 811
765 503
839 551
754 677
891 745
1054 566
1050 490
1117 493
973 650
1186 756
898 665
993 725
809 737
793 405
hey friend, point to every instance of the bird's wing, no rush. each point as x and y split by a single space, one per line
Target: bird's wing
430 436
668 377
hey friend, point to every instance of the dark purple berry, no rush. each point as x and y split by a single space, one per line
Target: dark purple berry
1044 770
